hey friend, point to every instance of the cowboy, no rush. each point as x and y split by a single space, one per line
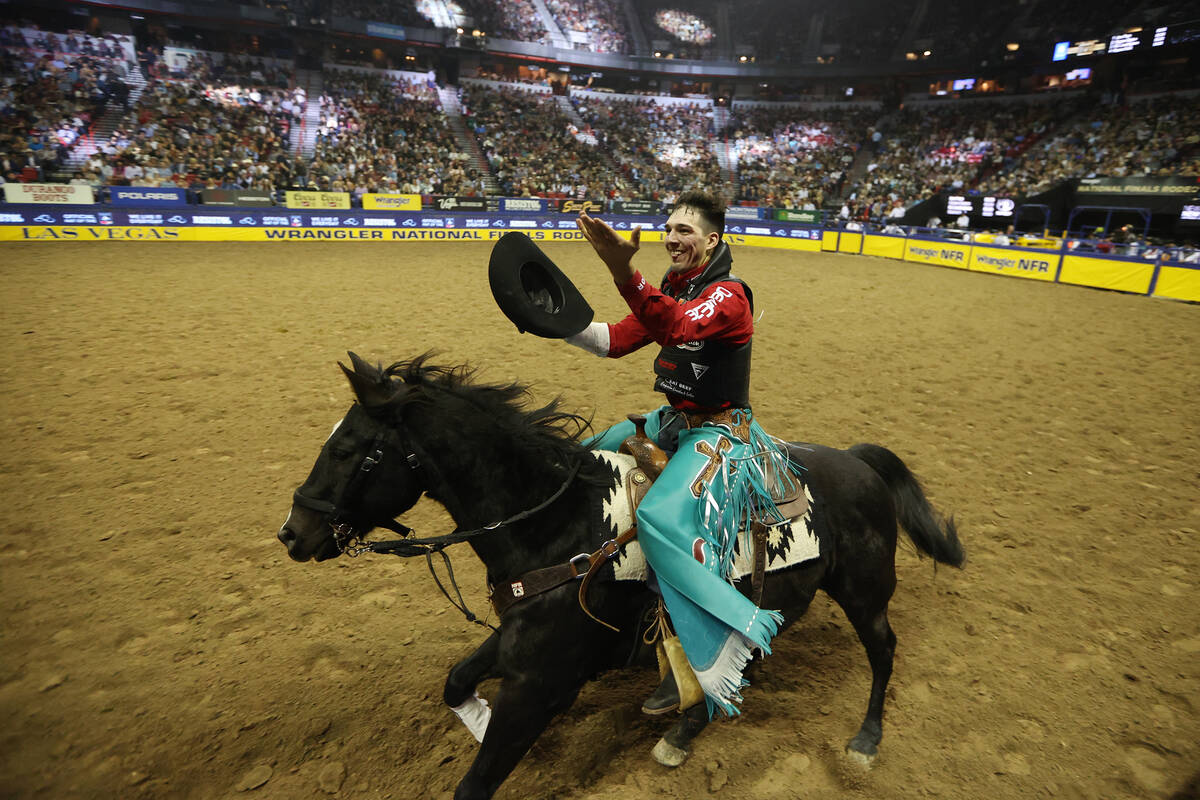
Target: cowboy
724 469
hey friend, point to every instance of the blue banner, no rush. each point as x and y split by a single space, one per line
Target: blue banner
223 217
384 30
147 196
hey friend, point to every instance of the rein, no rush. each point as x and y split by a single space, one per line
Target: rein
346 537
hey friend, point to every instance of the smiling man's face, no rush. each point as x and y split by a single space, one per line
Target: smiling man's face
688 238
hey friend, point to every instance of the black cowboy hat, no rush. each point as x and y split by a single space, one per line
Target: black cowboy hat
532 292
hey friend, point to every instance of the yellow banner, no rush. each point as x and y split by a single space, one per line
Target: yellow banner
883 246
317 199
114 233
1108 273
392 202
1178 283
945 254
1004 261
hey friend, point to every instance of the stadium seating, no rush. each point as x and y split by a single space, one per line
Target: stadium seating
213 120
386 134
661 148
528 142
792 157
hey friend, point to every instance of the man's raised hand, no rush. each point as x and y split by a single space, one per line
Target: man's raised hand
614 251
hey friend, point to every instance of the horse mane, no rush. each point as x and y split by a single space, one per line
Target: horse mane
548 429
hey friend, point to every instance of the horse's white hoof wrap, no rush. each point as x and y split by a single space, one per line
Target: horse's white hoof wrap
668 754
860 759
475 714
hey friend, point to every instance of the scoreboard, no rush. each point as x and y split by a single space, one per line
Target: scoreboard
986 206
1128 41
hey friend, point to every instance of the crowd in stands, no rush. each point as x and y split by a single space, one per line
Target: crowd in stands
386 134
660 150
200 130
52 87
789 157
1156 137
211 121
602 22
684 26
687 33
528 141
511 19
927 149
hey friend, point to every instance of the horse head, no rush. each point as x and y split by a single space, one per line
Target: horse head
365 475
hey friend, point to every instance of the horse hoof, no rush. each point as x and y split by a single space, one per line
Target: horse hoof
859 759
668 754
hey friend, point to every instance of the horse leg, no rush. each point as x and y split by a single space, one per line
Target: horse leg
459 692
466 674
524 707
880 642
672 749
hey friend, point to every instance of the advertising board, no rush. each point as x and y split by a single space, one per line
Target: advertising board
58 193
390 202
333 200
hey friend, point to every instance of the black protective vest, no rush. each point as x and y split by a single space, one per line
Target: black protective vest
711 374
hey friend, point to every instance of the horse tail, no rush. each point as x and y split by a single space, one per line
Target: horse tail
931 534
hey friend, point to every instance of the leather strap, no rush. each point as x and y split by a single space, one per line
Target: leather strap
793 508
638 484
760 561
539 581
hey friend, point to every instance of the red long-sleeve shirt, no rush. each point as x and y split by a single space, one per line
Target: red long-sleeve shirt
720 312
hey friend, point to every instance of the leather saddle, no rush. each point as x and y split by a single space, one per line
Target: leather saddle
651 460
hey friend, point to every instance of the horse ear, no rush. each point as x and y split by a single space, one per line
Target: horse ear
370 391
363 368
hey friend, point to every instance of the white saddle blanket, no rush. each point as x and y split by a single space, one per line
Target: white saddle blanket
788 543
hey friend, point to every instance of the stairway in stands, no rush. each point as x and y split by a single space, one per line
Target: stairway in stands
303 137
568 108
467 143
109 120
640 46
557 37
720 149
724 33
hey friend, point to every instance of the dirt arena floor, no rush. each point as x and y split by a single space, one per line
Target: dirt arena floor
162 401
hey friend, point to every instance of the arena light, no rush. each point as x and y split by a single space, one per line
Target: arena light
927 53
742 59
1012 47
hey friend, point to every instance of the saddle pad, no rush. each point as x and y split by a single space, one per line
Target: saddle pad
788 544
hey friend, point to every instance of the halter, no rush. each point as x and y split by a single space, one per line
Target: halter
347 540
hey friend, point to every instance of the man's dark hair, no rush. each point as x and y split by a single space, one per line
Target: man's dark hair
710 207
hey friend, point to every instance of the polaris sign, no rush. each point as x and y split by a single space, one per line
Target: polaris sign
147 196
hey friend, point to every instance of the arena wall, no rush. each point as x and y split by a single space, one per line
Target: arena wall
1158 276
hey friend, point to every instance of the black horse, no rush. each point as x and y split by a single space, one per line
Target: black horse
487 458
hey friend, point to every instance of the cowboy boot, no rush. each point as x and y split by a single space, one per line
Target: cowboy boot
664 699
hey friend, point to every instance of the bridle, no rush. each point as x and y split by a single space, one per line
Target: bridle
339 517
348 540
